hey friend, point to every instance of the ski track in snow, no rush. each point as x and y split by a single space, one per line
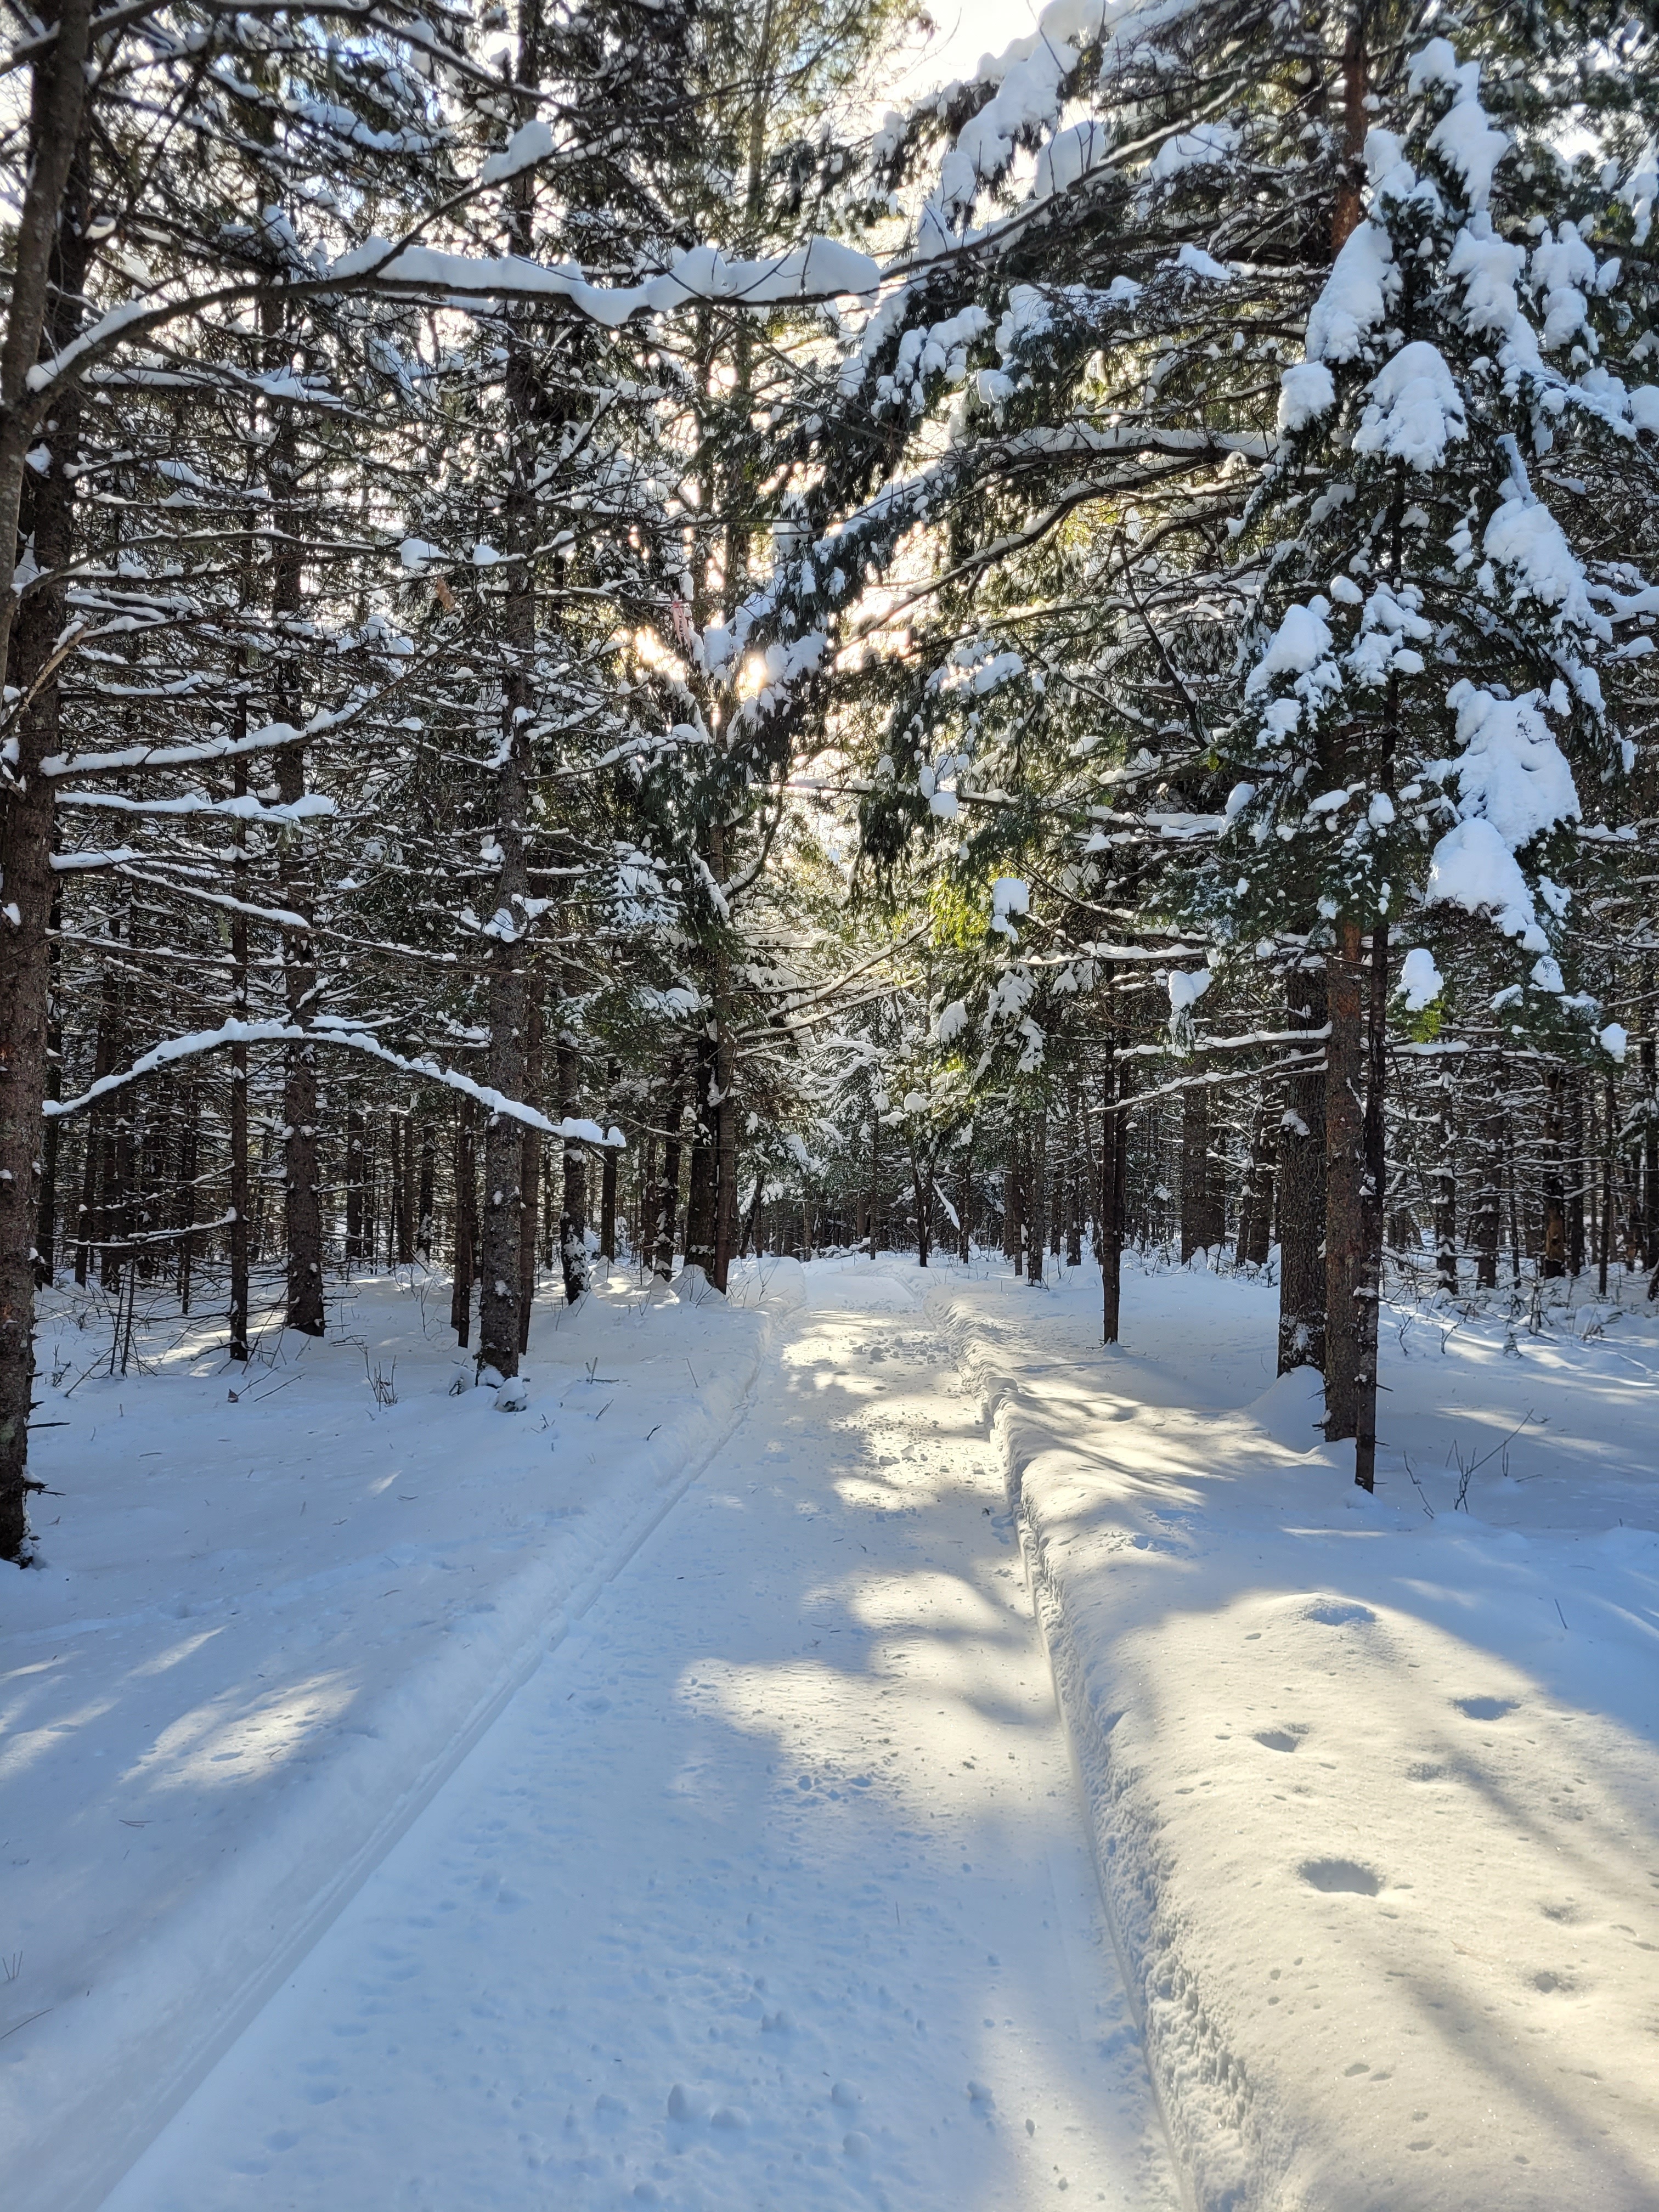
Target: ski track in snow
769 1887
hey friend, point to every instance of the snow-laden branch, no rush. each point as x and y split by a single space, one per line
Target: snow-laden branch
198 1042
823 269
311 806
271 738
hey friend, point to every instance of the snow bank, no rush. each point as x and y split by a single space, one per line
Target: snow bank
271 1617
1374 1796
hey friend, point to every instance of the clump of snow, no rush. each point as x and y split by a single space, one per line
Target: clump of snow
1414 409
1205 144
1302 640
1510 769
531 143
1186 987
1525 538
1306 391
1464 138
1358 294
1563 270
1473 868
1421 982
1197 263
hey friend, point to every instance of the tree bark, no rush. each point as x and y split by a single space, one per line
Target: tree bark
572 1199
467 1224
608 1184
1446 1188
668 1190
1197 1220
1344 1181
1369 1291
1301 1189
1114 1185
529 1163
49 266
1037 1237
1555 1211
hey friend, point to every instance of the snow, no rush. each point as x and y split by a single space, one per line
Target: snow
1474 868
1413 408
340 1033
668 1804
1356 298
1511 771
1491 269
1300 643
1203 146
1525 538
1375 1795
762 1877
1186 987
1464 136
221 1706
821 268
531 143
1421 982
1306 391
1197 263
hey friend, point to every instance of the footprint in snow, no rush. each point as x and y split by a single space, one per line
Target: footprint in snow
1341 1877
1485 1708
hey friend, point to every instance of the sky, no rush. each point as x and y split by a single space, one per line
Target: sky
967 29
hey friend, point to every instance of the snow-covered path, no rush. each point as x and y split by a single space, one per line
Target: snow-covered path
767 1888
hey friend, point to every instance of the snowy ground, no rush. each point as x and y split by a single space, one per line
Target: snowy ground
265 1627
423 1805
1374 1783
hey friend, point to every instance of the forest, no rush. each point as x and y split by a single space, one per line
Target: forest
648 640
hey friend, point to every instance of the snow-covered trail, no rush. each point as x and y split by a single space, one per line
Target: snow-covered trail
767 1888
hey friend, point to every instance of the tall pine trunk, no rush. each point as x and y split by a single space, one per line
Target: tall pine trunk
50 256
529 1163
1036 1236
1301 1188
1345 1180
1114 1185
668 1188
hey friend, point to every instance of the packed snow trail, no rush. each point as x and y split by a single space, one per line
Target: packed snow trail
767 1888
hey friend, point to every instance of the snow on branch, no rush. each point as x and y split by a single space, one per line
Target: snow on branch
198 1042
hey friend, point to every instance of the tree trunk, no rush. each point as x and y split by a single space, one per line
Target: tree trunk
1255 1219
1344 1181
1037 1188
45 1218
1369 1291
608 1184
529 1163
1446 1188
428 1192
1486 1215
1575 1175
1114 1185
354 1160
875 1221
189 1156
1197 1200
49 265
964 1204
668 1190
573 1198
1555 1212
1301 1189
467 1224
1013 1230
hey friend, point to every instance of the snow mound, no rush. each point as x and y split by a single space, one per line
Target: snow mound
1292 1410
